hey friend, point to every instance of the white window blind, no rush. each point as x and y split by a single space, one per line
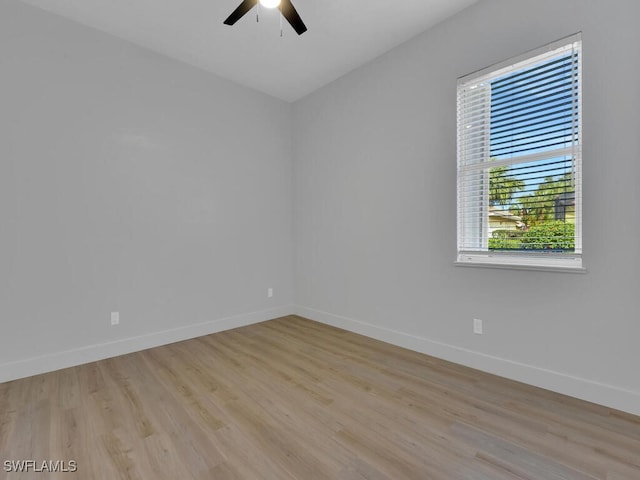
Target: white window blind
520 161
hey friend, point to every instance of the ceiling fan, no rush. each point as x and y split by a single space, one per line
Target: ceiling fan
285 6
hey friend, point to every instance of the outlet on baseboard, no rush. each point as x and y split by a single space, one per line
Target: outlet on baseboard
477 326
269 292
115 318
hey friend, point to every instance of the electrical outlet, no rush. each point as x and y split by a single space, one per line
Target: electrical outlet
115 318
269 292
477 326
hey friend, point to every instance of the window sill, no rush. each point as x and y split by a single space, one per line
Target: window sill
544 265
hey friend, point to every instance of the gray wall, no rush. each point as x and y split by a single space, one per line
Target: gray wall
375 206
130 182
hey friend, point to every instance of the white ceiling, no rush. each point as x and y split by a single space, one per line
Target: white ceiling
342 35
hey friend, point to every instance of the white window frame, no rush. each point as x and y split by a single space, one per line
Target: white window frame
471 162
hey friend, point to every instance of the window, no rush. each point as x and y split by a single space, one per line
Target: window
520 160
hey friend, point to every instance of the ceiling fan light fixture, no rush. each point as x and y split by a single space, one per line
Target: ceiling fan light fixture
270 3
287 10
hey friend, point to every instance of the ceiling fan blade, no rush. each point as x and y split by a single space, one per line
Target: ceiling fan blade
240 12
289 12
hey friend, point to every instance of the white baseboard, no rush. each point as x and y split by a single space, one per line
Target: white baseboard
91 353
584 389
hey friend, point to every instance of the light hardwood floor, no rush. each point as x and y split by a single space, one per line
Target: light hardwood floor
295 399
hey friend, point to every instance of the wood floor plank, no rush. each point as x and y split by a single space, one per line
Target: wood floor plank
293 399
